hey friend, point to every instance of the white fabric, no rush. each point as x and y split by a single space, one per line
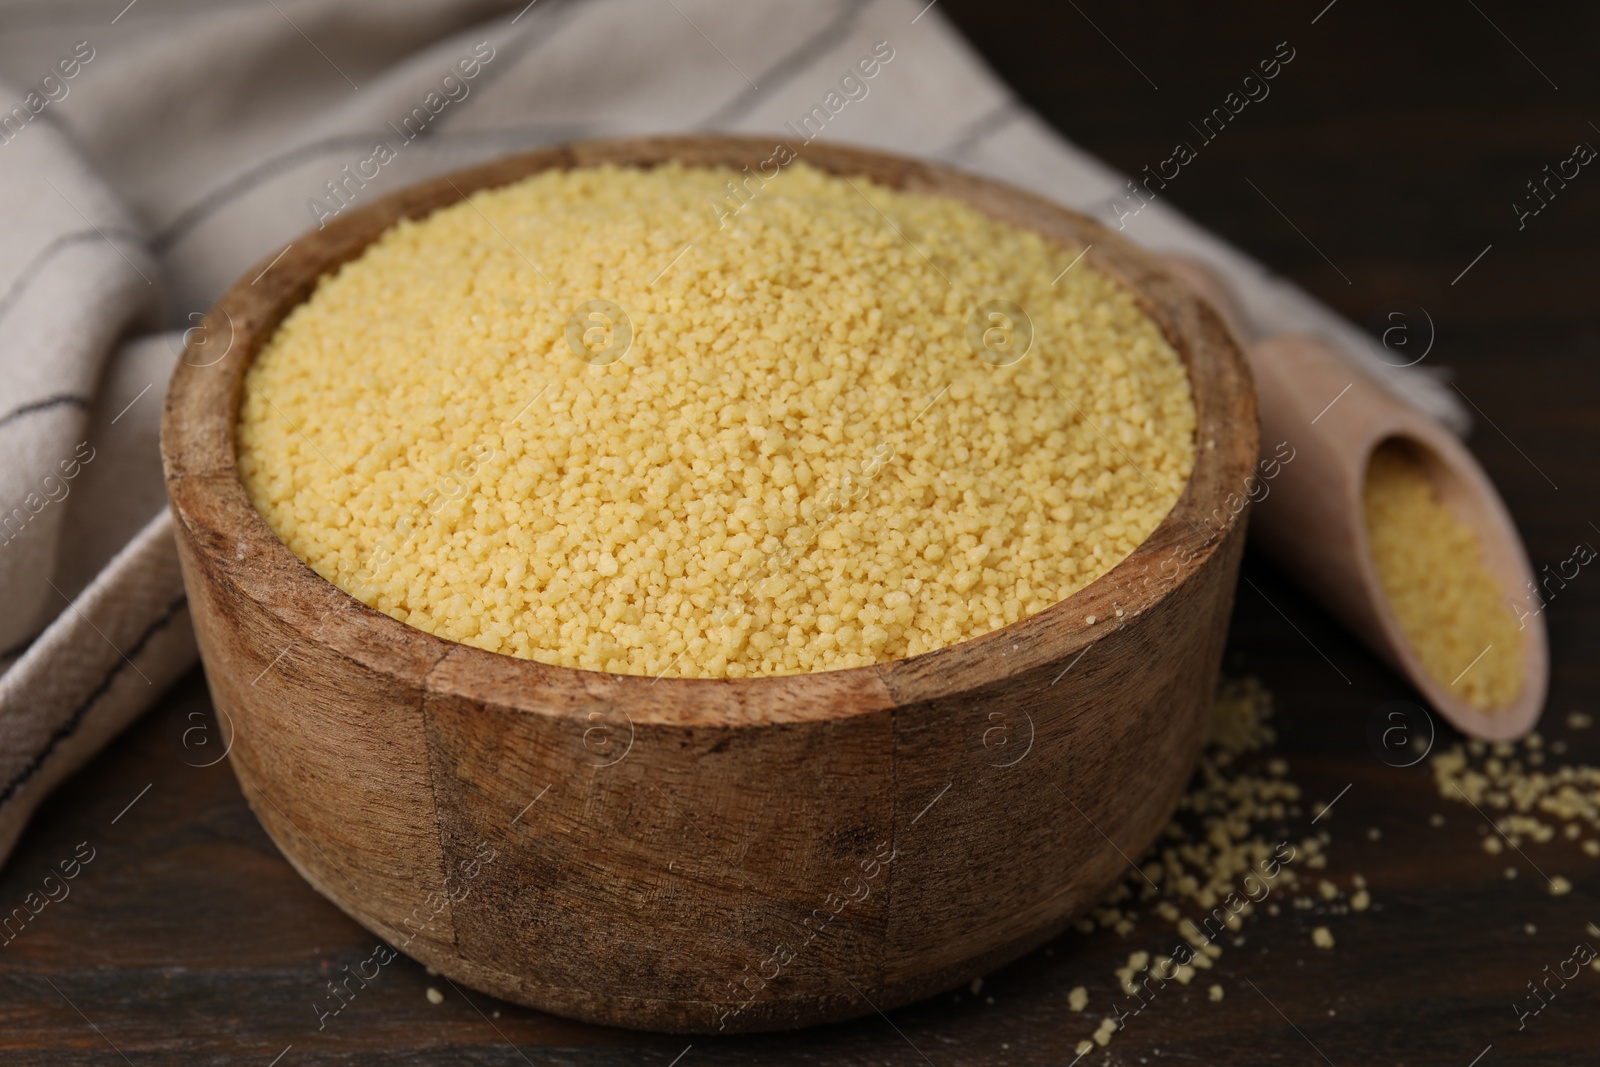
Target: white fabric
190 141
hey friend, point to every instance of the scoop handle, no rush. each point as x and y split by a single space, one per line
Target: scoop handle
1326 413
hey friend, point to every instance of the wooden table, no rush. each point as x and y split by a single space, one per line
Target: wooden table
1396 143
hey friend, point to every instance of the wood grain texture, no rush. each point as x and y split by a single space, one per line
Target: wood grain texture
703 855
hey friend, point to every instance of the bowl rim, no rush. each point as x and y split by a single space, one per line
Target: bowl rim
233 543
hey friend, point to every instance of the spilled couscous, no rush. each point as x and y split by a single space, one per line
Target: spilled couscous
590 420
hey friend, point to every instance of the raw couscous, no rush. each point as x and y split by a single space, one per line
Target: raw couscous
1431 566
588 420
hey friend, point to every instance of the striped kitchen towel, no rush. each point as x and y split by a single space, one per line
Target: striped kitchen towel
152 151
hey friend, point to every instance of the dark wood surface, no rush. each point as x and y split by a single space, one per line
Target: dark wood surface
1397 143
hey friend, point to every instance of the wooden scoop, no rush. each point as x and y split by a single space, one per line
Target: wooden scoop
1311 519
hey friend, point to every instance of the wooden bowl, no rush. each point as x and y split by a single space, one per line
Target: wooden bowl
702 855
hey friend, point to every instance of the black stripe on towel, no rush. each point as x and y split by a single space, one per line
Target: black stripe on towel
265 170
982 128
791 66
47 404
81 712
49 252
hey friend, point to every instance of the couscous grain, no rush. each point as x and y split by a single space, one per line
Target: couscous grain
1431 566
579 420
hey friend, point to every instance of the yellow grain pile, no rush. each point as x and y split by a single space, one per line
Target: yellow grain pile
815 450
1524 798
1226 860
1431 566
